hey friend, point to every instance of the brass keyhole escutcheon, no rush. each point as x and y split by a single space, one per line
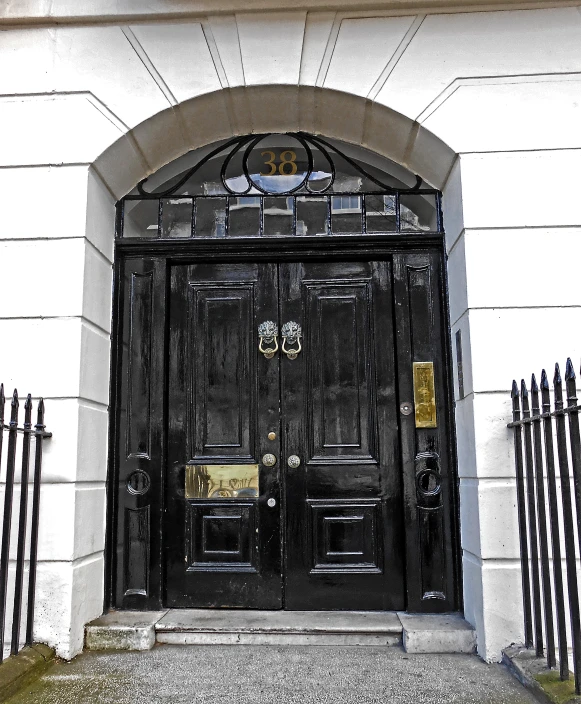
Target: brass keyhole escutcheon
272 436
268 460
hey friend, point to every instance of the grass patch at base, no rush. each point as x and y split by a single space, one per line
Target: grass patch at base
561 692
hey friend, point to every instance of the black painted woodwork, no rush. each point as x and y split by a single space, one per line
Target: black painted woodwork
343 504
138 433
368 520
430 563
222 402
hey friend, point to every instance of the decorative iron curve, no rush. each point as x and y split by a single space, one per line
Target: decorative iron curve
248 142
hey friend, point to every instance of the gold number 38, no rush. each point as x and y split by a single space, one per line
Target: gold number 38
287 158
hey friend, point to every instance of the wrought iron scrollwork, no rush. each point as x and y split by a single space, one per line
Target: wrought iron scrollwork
247 143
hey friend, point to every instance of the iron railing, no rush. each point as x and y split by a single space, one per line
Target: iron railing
27 432
543 481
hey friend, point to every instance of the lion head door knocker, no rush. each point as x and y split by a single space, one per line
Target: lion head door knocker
268 333
291 333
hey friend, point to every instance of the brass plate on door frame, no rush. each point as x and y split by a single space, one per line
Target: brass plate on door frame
424 395
221 481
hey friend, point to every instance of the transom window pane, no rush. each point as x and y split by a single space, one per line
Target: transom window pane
345 203
279 185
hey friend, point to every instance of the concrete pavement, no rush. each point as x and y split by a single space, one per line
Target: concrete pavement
244 674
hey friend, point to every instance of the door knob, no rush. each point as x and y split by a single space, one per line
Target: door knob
268 460
268 332
292 333
271 503
293 461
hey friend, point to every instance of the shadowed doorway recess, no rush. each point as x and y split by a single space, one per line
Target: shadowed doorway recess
281 397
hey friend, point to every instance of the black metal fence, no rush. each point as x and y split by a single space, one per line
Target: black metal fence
547 447
26 433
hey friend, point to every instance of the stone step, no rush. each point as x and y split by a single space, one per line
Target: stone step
201 626
419 633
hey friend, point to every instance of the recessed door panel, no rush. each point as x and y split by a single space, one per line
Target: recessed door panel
222 369
339 367
344 536
221 536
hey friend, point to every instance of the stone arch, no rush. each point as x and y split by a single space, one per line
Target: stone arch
272 108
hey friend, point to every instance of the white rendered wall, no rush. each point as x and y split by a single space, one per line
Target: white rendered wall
484 105
56 278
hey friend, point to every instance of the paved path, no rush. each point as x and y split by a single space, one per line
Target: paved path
245 674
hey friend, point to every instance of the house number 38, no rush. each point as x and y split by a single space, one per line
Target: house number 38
287 163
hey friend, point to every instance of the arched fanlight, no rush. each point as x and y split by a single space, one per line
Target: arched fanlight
287 175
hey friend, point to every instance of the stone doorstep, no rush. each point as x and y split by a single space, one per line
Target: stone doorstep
437 633
419 633
123 630
19 670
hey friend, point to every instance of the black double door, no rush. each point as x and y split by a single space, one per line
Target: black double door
250 473
284 475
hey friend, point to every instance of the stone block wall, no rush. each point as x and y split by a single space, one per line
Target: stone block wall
482 104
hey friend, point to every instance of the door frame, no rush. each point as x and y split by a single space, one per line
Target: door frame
162 254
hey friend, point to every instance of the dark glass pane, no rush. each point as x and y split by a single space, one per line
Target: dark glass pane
278 216
312 215
176 217
234 175
322 172
380 213
141 218
345 214
418 212
244 216
210 217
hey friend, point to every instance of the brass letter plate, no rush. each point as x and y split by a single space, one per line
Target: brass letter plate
424 395
221 481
